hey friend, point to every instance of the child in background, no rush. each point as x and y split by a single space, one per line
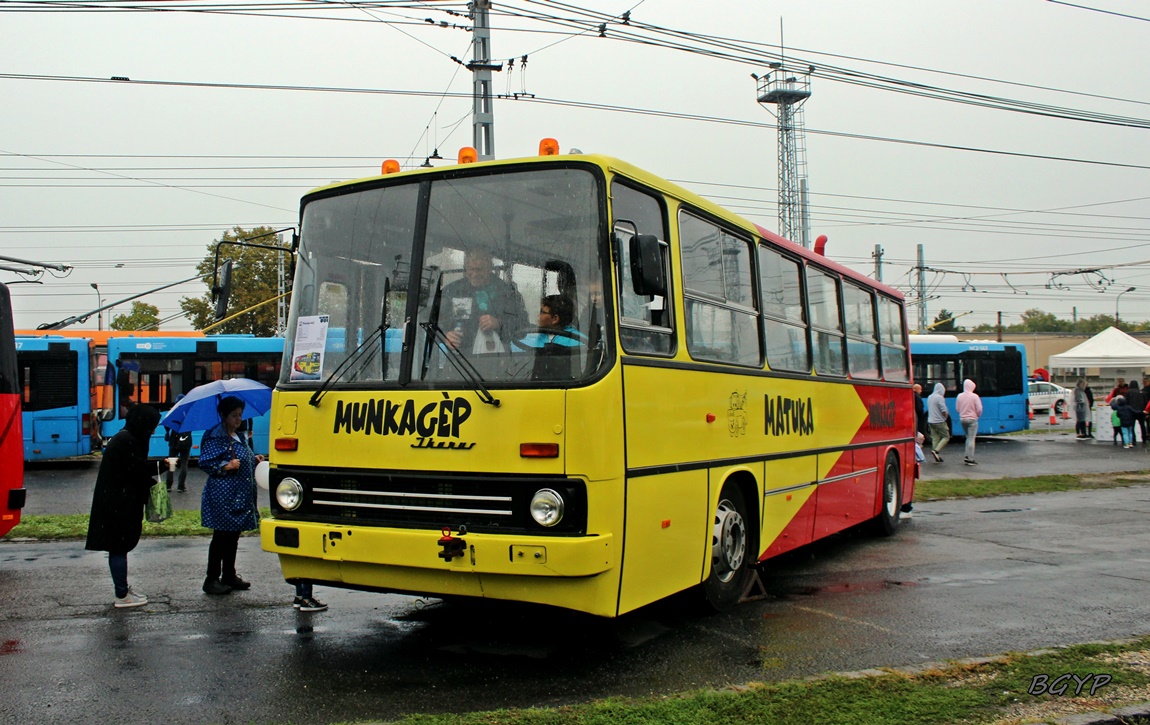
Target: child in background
1127 417
918 441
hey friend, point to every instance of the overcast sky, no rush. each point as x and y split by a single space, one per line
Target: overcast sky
129 182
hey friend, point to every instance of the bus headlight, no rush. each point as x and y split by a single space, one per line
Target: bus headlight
546 507
289 494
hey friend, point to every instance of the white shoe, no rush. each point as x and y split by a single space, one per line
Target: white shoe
131 599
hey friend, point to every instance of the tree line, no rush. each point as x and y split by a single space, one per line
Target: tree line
1036 320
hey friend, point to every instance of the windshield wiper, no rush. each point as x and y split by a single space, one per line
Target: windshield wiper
360 353
459 361
433 317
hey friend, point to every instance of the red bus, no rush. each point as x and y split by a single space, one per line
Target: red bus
11 436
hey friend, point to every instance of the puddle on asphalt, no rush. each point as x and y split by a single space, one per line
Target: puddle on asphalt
851 587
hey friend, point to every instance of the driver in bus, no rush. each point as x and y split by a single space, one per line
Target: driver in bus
485 309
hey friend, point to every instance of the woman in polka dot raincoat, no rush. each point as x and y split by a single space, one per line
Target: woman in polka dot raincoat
228 505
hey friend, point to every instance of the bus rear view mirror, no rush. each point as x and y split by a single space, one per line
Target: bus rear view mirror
222 291
647 265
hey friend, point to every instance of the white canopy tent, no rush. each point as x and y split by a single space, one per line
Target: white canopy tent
1115 353
1111 348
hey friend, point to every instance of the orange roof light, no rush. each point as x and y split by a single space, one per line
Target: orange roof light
548 147
468 155
391 166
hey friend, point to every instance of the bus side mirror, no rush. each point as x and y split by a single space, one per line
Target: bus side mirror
222 291
647 265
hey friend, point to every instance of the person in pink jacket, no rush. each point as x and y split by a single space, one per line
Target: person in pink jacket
969 407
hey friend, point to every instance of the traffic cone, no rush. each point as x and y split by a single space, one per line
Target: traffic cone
1029 411
1065 412
1053 416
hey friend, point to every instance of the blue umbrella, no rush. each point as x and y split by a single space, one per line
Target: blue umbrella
197 409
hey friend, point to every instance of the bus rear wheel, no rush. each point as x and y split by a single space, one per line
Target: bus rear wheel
887 520
730 551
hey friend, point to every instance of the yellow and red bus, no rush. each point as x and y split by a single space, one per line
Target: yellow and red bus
716 396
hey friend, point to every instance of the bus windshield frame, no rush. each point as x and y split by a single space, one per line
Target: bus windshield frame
494 253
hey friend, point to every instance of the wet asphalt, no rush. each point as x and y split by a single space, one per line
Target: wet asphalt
959 579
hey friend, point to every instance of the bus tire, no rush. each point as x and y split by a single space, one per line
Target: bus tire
887 520
730 551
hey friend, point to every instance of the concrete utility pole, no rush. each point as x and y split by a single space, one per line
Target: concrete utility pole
483 112
921 292
878 262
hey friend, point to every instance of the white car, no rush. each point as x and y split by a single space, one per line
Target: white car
1048 396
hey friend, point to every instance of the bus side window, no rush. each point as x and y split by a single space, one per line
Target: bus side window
646 323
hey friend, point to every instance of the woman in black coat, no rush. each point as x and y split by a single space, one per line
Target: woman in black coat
122 488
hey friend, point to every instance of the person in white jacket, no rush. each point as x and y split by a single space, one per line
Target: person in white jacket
969 408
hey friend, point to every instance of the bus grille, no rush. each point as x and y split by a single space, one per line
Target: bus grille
430 501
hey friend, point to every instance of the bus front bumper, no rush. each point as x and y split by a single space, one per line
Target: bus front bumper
501 566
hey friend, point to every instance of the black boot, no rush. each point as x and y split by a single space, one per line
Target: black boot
215 586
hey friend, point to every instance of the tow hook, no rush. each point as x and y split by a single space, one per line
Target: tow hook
452 546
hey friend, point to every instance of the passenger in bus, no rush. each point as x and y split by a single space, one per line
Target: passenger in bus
122 486
228 504
555 342
484 310
938 417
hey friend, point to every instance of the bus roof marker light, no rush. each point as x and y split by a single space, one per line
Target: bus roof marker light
391 166
548 147
468 155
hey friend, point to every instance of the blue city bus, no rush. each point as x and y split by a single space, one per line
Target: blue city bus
157 370
998 370
57 387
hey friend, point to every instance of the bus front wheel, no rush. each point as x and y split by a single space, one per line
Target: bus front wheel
730 551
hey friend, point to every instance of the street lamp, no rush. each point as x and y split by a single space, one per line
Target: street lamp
100 314
1128 289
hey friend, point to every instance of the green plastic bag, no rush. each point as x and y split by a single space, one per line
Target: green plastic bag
1115 420
158 507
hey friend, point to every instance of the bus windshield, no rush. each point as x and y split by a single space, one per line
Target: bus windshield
508 290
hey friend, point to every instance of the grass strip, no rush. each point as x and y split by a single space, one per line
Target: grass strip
984 488
62 527
987 692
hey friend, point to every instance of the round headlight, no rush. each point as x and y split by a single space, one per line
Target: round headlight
547 507
289 494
